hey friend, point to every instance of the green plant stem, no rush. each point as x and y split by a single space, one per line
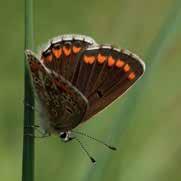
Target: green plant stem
28 141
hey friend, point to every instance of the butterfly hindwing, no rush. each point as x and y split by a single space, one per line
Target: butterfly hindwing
109 73
63 52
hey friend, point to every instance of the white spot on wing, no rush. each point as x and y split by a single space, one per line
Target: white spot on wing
106 46
67 37
116 49
56 39
96 47
89 40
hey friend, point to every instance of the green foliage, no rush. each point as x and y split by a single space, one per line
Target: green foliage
144 124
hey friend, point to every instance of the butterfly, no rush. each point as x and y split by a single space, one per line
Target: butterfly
74 78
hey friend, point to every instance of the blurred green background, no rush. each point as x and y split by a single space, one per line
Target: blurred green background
144 124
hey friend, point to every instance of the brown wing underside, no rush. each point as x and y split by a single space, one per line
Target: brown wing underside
63 105
105 74
100 73
63 57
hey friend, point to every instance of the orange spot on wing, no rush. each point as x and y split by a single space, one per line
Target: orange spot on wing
89 59
57 52
34 66
47 58
66 51
76 49
120 63
131 76
111 61
101 58
126 68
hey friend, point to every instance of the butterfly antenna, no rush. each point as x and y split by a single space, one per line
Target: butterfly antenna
84 149
99 141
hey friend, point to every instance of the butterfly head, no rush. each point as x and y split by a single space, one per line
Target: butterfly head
66 136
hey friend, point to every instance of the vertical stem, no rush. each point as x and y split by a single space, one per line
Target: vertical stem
28 141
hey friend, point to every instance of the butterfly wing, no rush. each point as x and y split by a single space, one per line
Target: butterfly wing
97 74
63 106
38 72
62 54
106 73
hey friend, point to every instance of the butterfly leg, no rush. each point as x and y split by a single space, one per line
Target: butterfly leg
37 136
34 136
36 127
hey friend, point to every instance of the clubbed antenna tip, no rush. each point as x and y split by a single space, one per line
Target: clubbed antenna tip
95 139
93 160
112 148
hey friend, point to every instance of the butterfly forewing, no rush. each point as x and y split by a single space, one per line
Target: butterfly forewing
107 77
38 74
69 104
62 104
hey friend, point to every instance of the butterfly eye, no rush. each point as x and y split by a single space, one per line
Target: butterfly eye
63 135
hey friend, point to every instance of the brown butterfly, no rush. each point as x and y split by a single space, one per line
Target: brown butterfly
75 78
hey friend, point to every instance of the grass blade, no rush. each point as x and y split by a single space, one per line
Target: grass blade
28 141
